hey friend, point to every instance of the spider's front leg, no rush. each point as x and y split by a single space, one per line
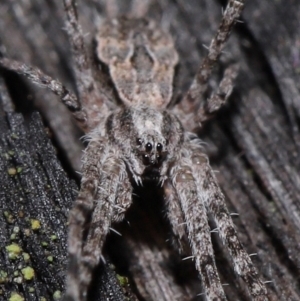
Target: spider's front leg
196 222
215 203
92 214
196 188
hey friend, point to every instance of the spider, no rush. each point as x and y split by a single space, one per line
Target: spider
144 135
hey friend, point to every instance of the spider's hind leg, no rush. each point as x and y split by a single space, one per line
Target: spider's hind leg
88 90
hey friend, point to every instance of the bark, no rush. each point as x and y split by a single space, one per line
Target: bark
253 143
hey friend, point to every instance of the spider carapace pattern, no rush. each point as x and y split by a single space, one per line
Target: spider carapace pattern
145 135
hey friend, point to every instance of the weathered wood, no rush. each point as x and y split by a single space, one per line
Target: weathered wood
35 198
253 142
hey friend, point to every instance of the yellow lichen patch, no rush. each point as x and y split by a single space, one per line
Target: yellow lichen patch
57 295
15 297
13 250
122 280
12 171
28 273
35 224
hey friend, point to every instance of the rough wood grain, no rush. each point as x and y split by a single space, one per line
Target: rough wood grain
253 142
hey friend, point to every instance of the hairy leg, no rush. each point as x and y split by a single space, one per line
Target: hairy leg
89 92
211 105
124 199
175 216
191 103
94 210
215 203
197 227
38 77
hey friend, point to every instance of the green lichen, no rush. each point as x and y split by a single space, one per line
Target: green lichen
57 295
122 280
53 237
13 236
44 244
31 289
3 276
26 256
28 273
13 250
50 258
15 297
35 224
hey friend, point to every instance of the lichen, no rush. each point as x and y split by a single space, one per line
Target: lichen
13 250
28 273
15 297
12 171
57 295
35 224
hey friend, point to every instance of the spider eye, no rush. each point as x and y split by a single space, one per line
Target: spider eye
159 147
148 147
139 141
146 159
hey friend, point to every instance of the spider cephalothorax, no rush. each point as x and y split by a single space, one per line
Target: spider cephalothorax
147 138
143 138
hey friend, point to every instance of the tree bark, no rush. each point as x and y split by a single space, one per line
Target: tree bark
253 143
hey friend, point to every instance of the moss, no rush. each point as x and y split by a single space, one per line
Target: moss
28 273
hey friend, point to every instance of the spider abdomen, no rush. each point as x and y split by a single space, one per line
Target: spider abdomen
141 58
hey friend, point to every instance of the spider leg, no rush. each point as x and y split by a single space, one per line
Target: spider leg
38 77
197 227
175 216
123 201
215 202
192 101
93 213
91 99
211 105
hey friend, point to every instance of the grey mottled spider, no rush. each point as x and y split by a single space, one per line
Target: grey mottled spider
145 136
